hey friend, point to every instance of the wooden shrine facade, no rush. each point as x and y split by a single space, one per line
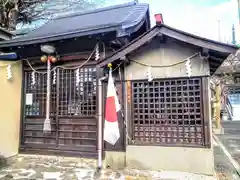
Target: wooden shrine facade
73 111
171 109
166 106
74 98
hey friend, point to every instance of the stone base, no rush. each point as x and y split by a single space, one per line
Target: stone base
114 160
218 131
158 158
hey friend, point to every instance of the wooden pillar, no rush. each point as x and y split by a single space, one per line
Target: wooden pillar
218 107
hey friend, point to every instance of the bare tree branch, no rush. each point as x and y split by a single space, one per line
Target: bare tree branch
225 74
14 11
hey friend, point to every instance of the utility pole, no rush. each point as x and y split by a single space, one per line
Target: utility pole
233 35
219 31
238 1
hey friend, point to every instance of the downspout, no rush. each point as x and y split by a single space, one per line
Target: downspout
100 122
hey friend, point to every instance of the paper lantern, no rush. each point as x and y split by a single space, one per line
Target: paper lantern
44 59
53 59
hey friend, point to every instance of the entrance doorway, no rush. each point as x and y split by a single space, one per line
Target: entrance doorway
73 109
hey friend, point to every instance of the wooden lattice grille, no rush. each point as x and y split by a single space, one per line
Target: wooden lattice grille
72 111
39 92
168 112
77 98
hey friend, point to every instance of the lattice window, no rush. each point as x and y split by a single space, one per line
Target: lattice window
77 98
168 112
38 92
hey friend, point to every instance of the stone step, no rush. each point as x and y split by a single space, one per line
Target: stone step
232 131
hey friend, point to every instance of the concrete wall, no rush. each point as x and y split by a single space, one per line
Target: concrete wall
165 54
196 160
10 105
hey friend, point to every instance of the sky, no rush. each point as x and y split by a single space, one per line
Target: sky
211 19
208 18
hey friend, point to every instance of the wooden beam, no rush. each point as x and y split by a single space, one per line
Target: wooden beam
205 52
161 38
206 111
131 47
78 56
217 58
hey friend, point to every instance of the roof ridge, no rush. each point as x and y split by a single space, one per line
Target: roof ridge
228 48
195 35
98 10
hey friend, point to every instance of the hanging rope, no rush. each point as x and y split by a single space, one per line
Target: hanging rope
90 56
33 78
47 122
53 69
54 77
169 65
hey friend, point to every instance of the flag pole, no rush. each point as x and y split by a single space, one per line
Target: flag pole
100 123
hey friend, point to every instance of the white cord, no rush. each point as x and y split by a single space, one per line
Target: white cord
53 69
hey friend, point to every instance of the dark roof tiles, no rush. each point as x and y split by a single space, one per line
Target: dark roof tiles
117 18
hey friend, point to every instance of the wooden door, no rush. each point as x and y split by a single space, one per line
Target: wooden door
73 112
76 115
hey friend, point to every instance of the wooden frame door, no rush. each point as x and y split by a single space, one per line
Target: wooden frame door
72 112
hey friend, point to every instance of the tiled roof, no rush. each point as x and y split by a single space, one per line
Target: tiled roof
218 51
5 35
124 19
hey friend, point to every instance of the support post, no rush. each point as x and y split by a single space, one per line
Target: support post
218 107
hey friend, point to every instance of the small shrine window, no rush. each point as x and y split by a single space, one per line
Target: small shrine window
168 112
78 96
73 94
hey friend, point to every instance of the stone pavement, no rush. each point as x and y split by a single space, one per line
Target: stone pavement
223 167
231 138
36 167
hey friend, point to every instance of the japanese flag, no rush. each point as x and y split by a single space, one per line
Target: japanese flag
111 129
